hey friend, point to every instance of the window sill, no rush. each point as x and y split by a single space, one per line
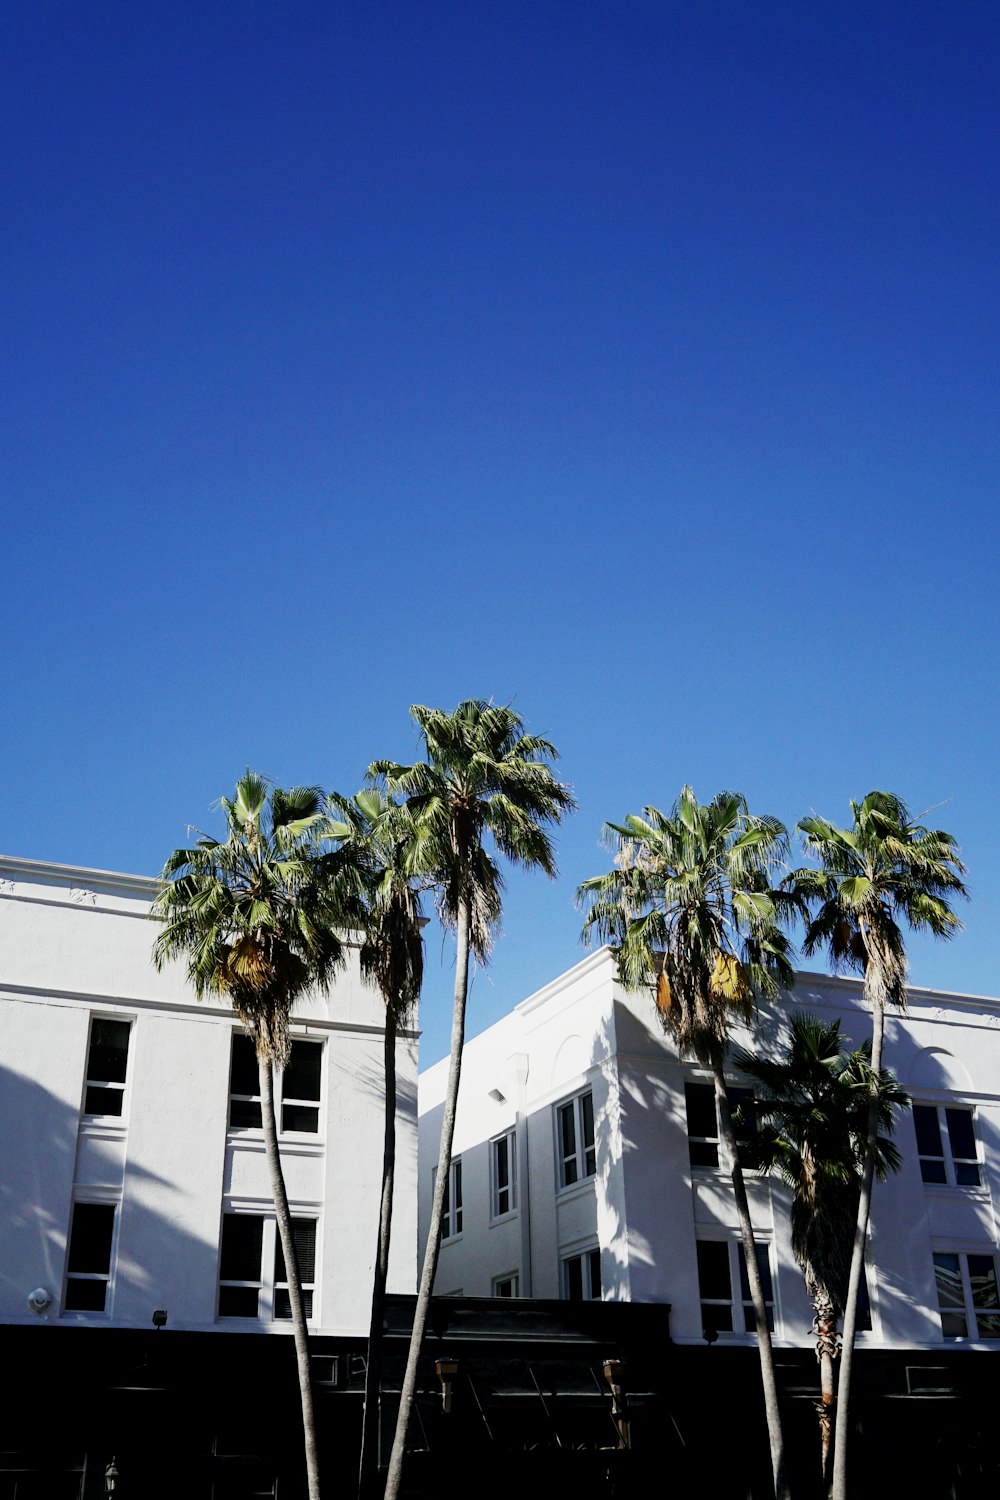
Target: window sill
104 1127
576 1189
980 1194
506 1218
451 1239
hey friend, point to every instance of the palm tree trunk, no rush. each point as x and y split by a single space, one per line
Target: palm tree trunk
756 1291
284 1222
429 1269
373 1375
839 1490
825 1325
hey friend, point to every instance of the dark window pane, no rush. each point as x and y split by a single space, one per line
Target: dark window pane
713 1269
103 1101
594 1257
108 1057
983 1276
953 1325
304 1235
85 1296
589 1152
90 1239
949 1281
574 1279
244 1074
864 1320
700 1101
456 1172
960 1133
244 1114
567 1133
301 1117
502 1164
967 1174
925 1123
932 1170
717 1316
988 1325
242 1236
283 1303
302 1075
238 1301
763 1266
703 1154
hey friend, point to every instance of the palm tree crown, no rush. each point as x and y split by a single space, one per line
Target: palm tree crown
255 914
693 904
810 1114
482 776
881 872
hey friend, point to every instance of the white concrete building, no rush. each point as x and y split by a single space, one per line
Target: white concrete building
587 1163
133 1170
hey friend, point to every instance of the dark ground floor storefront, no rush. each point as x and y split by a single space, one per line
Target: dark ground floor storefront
531 1410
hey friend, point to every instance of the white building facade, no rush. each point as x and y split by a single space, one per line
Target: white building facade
587 1162
134 1177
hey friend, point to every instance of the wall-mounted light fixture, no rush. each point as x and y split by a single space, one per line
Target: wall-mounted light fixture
159 1318
111 1478
446 1370
497 1096
40 1300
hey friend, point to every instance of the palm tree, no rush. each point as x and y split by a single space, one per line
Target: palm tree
483 778
810 1118
255 916
881 873
392 956
692 909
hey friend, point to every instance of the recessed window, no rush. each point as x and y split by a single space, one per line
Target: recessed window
967 1293
297 1090
503 1168
88 1265
107 1067
575 1132
721 1267
506 1286
581 1276
704 1133
946 1145
452 1220
250 1243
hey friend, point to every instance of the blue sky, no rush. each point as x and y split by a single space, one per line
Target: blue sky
633 363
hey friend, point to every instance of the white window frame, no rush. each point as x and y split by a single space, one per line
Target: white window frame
453 1215
497 1211
741 1309
950 1161
576 1159
102 1200
581 1253
733 1091
509 1278
971 1311
280 1098
266 1283
104 1083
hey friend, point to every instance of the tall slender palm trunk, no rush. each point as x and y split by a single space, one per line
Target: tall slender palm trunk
825 1328
768 1379
373 1374
839 1489
431 1253
284 1222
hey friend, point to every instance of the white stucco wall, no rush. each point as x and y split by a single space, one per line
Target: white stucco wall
646 1207
74 943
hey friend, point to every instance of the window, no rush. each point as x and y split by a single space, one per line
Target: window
88 1266
297 1089
575 1128
452 1221
946 1145
721 1266
581 1276
503 1166
107 1065
506 1286
249 1243
703 1121
967 1295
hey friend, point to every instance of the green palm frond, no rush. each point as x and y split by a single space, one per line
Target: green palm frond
694 908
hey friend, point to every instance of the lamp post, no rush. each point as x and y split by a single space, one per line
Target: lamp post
111 1478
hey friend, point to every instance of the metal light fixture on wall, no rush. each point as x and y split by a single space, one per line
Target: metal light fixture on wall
111 1478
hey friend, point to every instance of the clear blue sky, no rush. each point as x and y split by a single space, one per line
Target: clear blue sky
636 363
